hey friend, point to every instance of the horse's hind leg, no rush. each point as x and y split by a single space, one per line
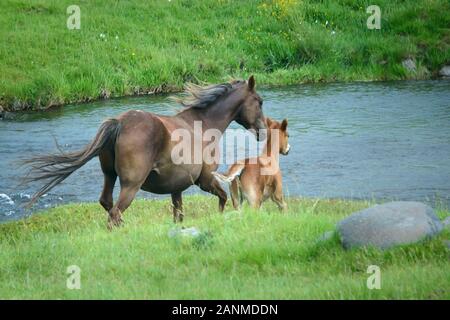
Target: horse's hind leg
110 176
126 196
177 202
132 169
234 192
208 183
106 198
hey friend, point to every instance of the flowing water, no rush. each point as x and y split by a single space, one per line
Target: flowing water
383 141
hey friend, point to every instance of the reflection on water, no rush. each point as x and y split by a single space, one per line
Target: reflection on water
361 140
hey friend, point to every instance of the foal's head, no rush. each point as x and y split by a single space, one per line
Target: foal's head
250 114
283 135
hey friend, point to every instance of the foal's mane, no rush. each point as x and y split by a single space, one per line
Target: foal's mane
197 96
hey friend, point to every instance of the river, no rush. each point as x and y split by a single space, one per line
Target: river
379 141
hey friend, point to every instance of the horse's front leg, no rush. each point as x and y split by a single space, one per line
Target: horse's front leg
177 202
208 183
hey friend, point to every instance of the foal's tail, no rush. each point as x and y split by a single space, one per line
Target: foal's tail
232 177
234 172
54 168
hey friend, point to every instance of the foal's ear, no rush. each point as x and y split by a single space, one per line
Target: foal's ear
251 82
284 124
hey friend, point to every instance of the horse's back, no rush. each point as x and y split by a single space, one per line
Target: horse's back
141 138
144 153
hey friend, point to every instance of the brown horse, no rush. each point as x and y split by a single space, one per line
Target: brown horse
257 179
138 148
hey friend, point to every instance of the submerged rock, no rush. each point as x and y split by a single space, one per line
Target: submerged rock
5 199
389 224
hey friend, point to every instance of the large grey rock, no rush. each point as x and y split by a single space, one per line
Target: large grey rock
445 71
389 224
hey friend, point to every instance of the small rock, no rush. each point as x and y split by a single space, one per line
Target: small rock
18 105
190 232
445 71
105 94
326 236
447 243
446 223
232 214
409 65
389 224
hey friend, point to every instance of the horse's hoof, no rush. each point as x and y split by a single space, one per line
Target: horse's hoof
178 217
178 220
114 223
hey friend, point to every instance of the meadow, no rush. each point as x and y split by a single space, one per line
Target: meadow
238 255
144 47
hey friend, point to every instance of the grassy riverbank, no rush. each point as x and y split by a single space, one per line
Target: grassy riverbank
137 47
249 255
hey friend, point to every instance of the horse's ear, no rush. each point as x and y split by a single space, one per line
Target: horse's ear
284 125
251 82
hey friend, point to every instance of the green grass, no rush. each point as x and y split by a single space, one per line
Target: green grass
155 46
247 255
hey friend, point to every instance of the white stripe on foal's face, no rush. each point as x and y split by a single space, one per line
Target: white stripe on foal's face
286 151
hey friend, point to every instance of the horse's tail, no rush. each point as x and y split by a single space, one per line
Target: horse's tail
54 168
234 172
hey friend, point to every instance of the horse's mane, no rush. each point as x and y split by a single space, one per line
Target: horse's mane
197 96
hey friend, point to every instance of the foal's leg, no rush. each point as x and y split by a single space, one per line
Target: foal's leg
250 189
177 202
234 192
254 197
277 195
208 183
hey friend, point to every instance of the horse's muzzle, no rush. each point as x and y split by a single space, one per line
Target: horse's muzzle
286 151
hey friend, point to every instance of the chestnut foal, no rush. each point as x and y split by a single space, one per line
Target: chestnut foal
260 178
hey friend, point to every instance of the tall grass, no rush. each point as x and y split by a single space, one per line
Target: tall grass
154 46
241 255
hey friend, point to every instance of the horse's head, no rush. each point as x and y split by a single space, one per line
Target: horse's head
283 135
250 114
